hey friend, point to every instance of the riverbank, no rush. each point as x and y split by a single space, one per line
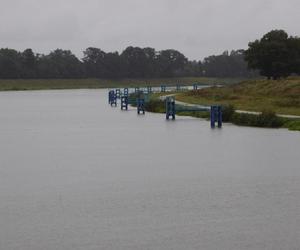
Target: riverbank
258 103
266 119
281 96
44 84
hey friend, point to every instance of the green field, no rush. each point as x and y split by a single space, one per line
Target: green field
42 84
280 96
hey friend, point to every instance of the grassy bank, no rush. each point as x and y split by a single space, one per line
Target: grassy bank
282 97
43 84
267 119
268 97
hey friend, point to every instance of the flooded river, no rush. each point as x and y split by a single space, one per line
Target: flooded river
78 174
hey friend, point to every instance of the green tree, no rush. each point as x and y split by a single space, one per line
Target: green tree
94 62
137 61
227 64
10 63
273 54
29 64
60 64
294 54
171 62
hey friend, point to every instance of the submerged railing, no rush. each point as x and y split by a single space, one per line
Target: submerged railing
142 97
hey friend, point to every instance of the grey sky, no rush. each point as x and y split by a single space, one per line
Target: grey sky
197 28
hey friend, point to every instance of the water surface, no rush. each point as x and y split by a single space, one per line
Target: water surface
78 174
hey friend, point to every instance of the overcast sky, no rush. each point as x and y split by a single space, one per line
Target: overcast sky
197 28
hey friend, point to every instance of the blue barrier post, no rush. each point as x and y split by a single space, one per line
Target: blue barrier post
163 88
125 92
195 86
170 108
140 103
178 87
124 102
118 93
216 115
110 96
113 100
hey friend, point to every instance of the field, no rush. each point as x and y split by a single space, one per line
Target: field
20 84
281 96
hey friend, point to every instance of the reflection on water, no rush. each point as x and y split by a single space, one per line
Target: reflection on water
78 174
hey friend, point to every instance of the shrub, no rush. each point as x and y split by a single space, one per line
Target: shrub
154 105
227 112
293 125
267 119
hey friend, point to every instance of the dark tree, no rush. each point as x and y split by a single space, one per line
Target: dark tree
151 62
171 63
29 63
227 65
60 64
193 68
294 54
94 62
113 66
274 54
139 62
133 62
10 64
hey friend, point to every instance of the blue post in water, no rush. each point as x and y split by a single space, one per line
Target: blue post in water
110 96
216 115
124 102
220 121
195 86
140 104
118 93
113 100
125 92
170 108
163 88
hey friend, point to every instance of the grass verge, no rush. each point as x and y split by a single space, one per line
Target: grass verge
43 84
267 119
281 96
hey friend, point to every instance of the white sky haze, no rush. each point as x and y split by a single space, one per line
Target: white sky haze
197 28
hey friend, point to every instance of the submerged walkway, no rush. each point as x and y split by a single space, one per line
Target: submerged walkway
238 111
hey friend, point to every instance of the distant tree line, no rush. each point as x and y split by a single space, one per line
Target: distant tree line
133 62
275 55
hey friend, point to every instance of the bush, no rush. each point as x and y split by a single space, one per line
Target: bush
154 105
267 119
196 114
293 125
227 113
243 119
